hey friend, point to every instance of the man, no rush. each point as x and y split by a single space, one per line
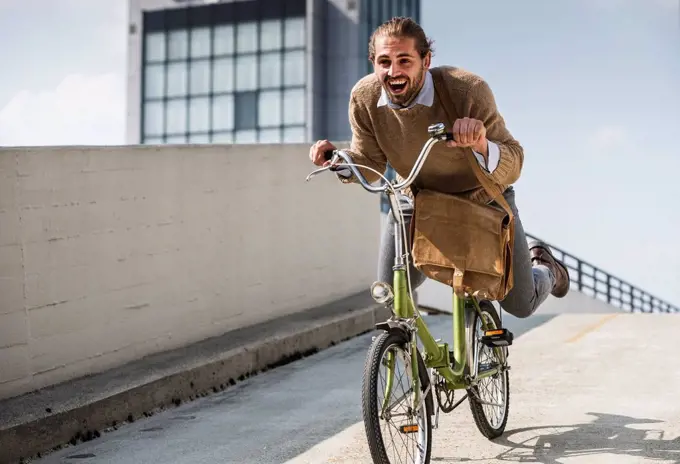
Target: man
389 113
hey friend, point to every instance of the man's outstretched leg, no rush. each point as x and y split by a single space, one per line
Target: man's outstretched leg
537 273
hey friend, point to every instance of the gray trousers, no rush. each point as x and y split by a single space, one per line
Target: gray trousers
532 284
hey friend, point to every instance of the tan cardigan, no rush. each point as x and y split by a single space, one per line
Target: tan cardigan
381 134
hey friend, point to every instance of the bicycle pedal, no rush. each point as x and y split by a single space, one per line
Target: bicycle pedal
409 428
497 337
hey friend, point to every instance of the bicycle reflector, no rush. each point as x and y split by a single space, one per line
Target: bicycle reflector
382 293
409 428
497 337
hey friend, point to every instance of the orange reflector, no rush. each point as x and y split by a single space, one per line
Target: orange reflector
409 428
489 333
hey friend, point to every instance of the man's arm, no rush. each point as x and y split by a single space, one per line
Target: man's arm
507 154
364 148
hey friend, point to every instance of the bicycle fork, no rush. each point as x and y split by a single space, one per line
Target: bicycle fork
412 359
403 308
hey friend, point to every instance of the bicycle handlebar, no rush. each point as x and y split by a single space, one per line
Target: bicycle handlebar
437 132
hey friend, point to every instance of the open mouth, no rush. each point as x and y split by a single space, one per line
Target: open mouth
397 86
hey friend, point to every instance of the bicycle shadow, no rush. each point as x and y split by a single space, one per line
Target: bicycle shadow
609 435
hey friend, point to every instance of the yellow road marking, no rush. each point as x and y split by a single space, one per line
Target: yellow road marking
591 328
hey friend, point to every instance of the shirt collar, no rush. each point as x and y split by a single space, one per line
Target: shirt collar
425 96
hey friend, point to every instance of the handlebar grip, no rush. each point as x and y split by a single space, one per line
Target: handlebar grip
328 155
449 136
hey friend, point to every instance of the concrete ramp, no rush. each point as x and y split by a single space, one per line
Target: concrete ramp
435 295
585 388
598 388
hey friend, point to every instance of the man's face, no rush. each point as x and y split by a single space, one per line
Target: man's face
399 68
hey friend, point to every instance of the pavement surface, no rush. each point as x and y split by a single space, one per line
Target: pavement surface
270 418
584 389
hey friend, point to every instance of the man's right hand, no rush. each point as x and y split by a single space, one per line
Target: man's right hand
316 152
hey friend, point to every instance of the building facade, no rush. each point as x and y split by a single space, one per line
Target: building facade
249 71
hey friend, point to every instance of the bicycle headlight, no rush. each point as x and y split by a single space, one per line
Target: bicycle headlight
382 293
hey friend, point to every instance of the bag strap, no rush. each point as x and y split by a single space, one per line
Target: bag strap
474 164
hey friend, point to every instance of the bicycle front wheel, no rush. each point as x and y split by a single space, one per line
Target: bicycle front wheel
396 431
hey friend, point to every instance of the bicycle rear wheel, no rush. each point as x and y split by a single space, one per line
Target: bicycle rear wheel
397 433
490 398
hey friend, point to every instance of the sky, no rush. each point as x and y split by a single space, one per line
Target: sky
590 88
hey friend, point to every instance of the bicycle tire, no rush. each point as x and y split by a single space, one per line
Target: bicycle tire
370 403
476 407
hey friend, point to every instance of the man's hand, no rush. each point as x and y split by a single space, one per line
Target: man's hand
468 132
316 152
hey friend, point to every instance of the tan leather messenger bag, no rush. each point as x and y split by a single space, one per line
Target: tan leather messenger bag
462 243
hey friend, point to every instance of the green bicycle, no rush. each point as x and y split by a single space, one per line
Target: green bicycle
435 370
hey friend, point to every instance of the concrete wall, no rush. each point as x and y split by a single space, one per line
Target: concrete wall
110 254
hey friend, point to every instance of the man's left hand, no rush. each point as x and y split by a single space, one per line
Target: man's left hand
468 132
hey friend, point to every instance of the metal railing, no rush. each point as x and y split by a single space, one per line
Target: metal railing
601 285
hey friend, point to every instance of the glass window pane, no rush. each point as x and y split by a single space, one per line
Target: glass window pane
199 138
293 106
246 110
246 72
223 137
246 136
270 70
199 115
223 112
178 45
155 46
223 75
177 79
294 135
200 42
269 108
271 35
246 37
153 118
176 139
295 32
154 81
199 76
270 136
153 141
223 37
294 68
176 117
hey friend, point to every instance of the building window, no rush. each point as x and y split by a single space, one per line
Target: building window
222 78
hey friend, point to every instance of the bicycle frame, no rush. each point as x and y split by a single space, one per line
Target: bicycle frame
435 355
460 374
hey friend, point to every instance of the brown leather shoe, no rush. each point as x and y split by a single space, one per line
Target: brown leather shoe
541 254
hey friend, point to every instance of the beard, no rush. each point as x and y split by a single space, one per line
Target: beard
404 95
